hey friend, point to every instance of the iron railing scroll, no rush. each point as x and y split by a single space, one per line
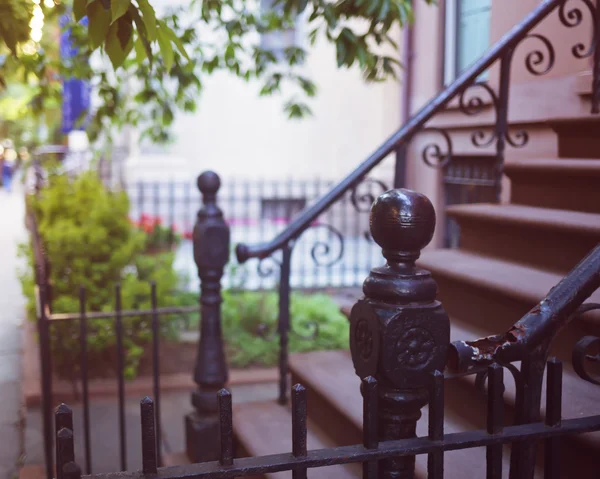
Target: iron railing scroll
399 333
474 97
211 253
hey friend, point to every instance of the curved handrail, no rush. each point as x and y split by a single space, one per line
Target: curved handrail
553 313
304 219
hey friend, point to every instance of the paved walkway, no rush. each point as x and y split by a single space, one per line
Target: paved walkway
12 312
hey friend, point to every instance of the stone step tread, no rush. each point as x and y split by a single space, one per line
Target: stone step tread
265 428
519 282
332 375
566 221
557 166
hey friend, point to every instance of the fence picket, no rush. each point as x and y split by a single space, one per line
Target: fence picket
553 418
149 457
435 460
84 379
299 429
225 427
495 419
370 440
121 376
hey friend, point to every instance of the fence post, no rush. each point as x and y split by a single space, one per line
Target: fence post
399 333
211 253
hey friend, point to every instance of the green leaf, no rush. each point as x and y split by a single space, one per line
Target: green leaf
361 54
149 17
166 48
302 5
340 52
125 30
308 86
119 8
383 11
140 50
99 23
79 10
373 5
174 38
142 32
115 51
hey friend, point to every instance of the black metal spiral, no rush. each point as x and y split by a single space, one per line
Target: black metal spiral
267 266
362 202
581 354
572 18
518 140
587 349
433 154
539 62
474 105
322 252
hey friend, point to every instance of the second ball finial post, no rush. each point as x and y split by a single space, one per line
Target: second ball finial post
399 333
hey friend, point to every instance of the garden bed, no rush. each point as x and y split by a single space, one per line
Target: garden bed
173 378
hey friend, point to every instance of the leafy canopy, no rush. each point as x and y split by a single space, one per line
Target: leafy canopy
158 60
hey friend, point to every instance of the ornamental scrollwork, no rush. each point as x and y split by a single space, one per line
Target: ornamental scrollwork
436 155
267 266
326 252
541 60
572 18
474 104
587 349
518 140
362 201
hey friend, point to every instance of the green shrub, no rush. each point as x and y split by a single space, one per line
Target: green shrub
91 242
250 316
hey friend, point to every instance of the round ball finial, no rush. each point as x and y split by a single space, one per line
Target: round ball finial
402 223
209 183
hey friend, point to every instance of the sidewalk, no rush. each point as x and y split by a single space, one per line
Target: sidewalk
12 312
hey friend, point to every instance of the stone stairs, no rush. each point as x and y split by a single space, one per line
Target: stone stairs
510 255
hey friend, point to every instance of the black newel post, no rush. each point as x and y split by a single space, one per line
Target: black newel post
399 333
211 253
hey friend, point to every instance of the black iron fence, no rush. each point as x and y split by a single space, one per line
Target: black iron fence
87 322
335 251
372 453
400 344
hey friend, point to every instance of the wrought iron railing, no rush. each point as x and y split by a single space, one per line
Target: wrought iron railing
400 340
397 383
334 253
471 96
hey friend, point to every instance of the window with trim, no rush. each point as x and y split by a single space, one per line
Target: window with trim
277 41
467 35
